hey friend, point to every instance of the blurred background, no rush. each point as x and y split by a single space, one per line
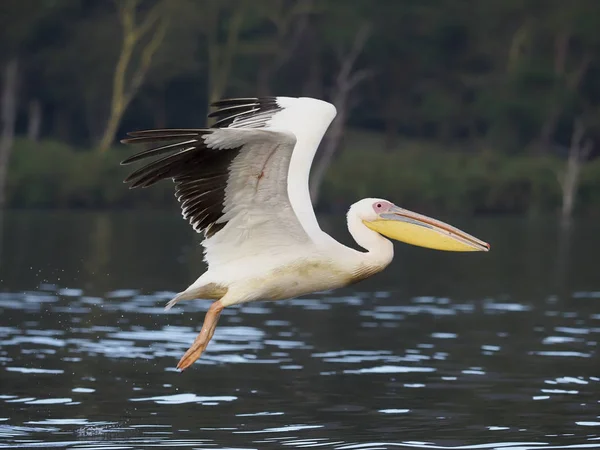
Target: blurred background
458 107
484 113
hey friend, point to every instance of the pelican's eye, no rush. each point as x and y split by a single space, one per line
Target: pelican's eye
380 207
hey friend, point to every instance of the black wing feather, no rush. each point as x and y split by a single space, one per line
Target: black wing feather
232 110
235 109
157 150
200 173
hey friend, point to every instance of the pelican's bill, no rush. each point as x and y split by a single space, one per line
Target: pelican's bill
416 229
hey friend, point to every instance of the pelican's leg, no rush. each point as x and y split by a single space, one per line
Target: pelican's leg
204 337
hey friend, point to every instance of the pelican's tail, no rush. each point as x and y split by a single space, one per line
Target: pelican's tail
210 291
175 300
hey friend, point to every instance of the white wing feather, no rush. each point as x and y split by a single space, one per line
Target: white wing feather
308 119
257 209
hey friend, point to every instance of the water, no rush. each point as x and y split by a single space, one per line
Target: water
441 350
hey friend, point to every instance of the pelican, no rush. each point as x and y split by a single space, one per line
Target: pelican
244 183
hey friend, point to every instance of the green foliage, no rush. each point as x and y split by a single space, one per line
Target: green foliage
426 177
468 71
448 77
52 174
420 175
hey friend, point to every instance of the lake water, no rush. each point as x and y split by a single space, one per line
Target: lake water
442 350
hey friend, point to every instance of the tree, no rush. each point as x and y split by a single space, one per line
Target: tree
578 152
175 61
290 21
221 53
148 34
569 68
18 22
540 54
347 79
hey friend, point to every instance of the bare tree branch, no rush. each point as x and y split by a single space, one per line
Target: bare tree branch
146 59
359 76
126 12
124 91
349 60
286 51
579 151
572 82
152 18
346 80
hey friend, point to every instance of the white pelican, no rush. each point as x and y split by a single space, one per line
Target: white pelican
244 184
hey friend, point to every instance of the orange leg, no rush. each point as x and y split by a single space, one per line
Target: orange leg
203 338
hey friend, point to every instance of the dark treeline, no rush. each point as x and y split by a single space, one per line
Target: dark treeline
470 105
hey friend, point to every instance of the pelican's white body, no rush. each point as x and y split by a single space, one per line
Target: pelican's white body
299 269
272 246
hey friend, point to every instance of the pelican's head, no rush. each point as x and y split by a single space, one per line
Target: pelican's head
406 226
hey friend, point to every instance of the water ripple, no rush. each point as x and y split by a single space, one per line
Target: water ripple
97 371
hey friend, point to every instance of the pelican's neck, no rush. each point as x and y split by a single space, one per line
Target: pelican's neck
380 250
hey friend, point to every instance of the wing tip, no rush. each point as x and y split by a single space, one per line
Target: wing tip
241 100
230 111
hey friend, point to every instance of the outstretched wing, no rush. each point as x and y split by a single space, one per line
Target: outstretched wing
231 183
307 118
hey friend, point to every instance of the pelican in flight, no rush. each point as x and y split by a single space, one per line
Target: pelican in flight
244 183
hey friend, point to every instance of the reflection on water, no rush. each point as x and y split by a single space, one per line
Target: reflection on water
440 351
